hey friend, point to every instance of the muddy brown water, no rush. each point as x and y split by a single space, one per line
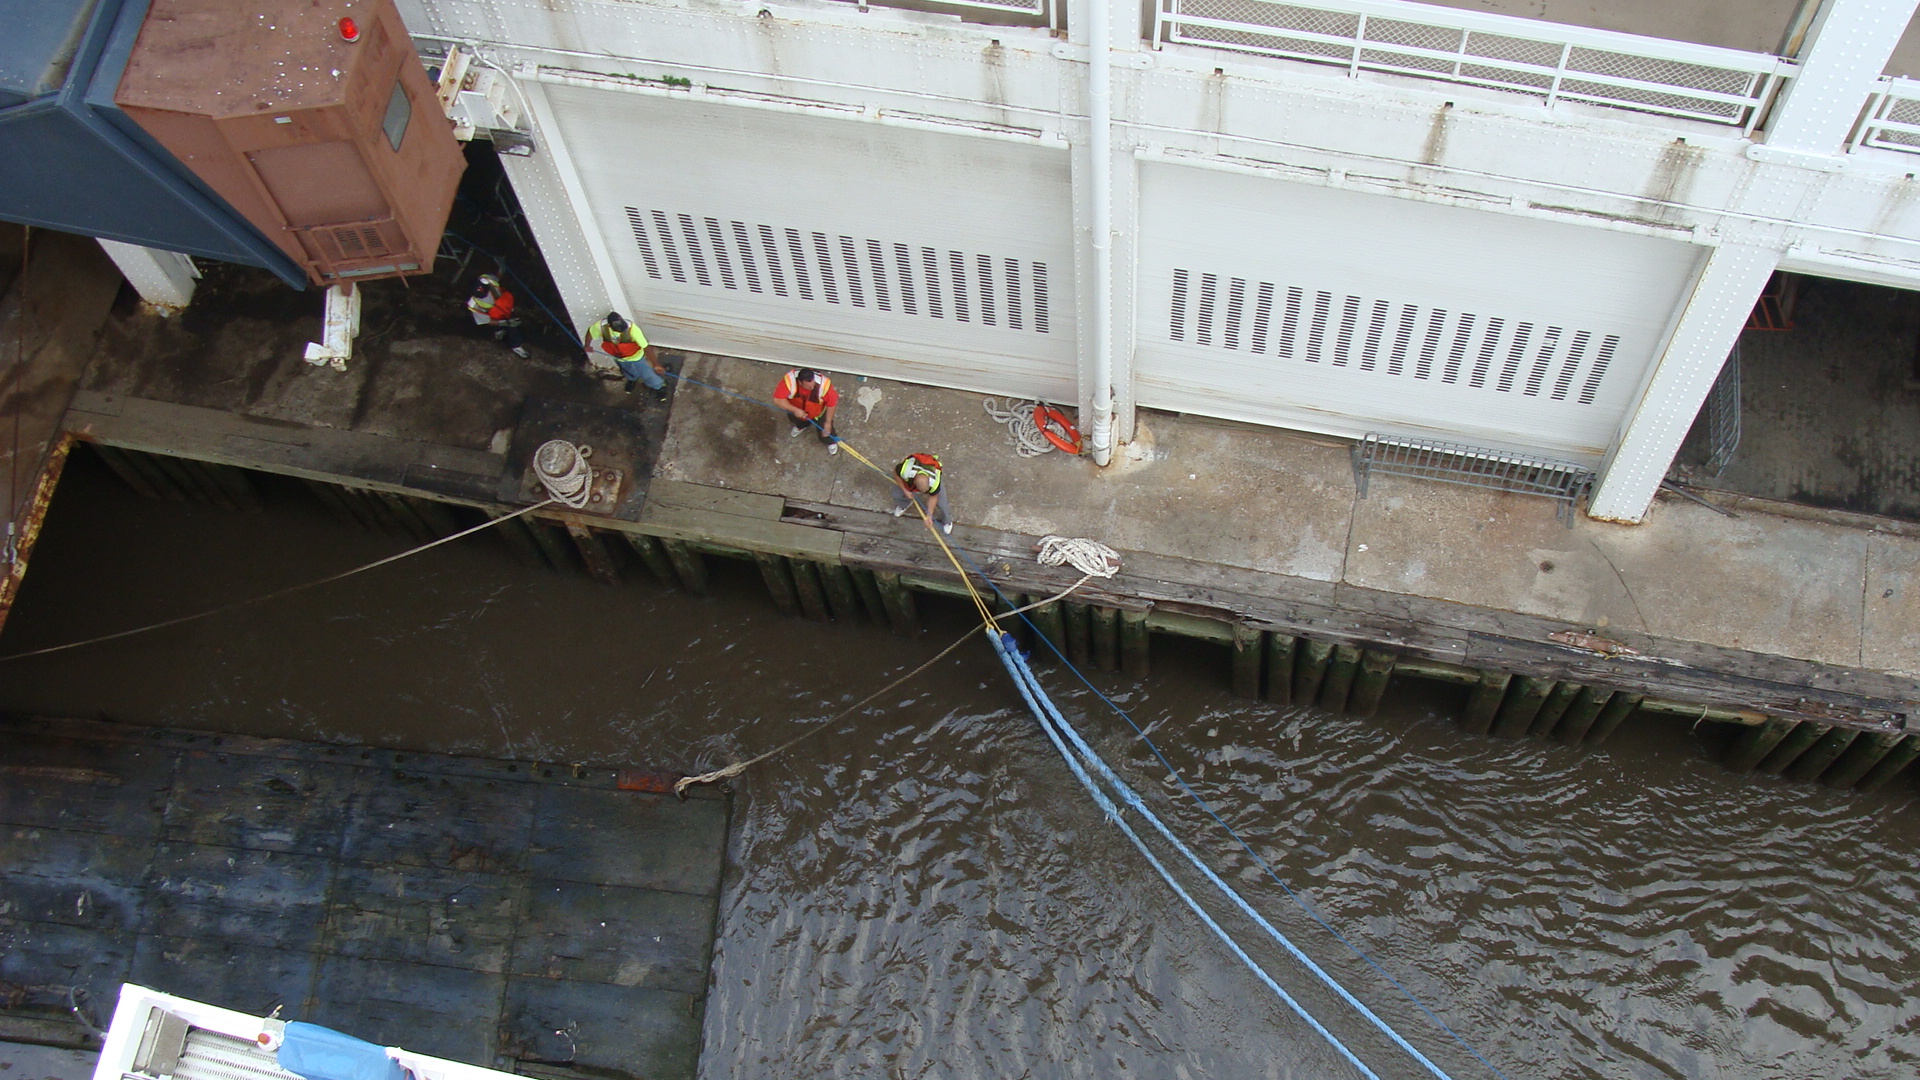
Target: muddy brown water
924 891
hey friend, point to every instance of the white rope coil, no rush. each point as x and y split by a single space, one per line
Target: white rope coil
563 471
1022 433
1090 557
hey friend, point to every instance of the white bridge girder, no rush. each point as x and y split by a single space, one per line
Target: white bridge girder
1812 202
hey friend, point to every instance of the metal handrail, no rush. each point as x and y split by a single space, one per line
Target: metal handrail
1574 72
1892 117
1045 11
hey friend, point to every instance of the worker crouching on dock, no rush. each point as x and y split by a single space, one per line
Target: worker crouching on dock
922 485
491 306
810 401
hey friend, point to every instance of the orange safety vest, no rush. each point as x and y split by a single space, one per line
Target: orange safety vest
620 346
917 464
821 388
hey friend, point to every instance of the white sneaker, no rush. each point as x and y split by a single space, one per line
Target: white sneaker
898 510
833 448
947 528
793 433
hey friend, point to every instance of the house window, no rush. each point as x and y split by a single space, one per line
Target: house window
399 111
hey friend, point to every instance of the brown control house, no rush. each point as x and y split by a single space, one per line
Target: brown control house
336 149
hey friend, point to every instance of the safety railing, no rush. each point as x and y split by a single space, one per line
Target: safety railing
1892 119
1544 60
1018 12
1723 415
1471 466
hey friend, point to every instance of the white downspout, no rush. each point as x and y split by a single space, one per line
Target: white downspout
1100 146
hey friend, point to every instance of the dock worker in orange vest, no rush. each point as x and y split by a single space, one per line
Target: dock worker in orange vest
491 306
809 399
922 485
616 338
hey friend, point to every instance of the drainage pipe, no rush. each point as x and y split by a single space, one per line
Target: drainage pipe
1100 180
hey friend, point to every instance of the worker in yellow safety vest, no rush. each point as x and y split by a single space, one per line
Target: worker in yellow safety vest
922 484
619 340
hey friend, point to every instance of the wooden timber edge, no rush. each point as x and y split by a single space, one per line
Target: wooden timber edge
1435 638
1454 639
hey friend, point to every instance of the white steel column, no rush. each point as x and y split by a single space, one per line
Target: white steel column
1847 49
1105 196
164 279
1706 333
555 203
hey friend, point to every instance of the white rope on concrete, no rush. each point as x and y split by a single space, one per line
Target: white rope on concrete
1022 433
563 471
1090 557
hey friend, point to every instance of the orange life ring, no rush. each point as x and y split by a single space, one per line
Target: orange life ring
1048 419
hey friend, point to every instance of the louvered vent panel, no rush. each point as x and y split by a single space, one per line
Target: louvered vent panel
212 1056
1397 340
863 272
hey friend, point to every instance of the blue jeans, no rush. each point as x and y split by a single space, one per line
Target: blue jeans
941 512
640 370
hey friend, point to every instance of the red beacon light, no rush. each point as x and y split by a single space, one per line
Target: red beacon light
349 30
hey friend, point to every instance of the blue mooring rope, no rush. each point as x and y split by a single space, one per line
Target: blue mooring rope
1034 693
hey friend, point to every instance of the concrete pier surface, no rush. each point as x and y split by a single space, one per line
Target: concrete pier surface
1842 593
1779 608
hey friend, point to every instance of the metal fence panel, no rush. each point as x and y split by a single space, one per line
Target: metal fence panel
1544 60
1472 466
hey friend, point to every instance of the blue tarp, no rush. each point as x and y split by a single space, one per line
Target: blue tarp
319 1053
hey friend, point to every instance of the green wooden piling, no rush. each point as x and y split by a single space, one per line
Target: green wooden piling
1619 707
902 614
1248 644
552 544
841 595
162 480
1105 622
654 558
191 485
594 553
1811 764
1310 660
1484 702
1525 695
332 499
779 578
1135 651
1890 766
1004 604
513 533
863 583
807 586
116 459
1797 742
240 491
1280 650
1581 715
410 523
1755 743
1866 752
1552 709
1370 682
1079 630
439 517
1337 687
688 565
1052 625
